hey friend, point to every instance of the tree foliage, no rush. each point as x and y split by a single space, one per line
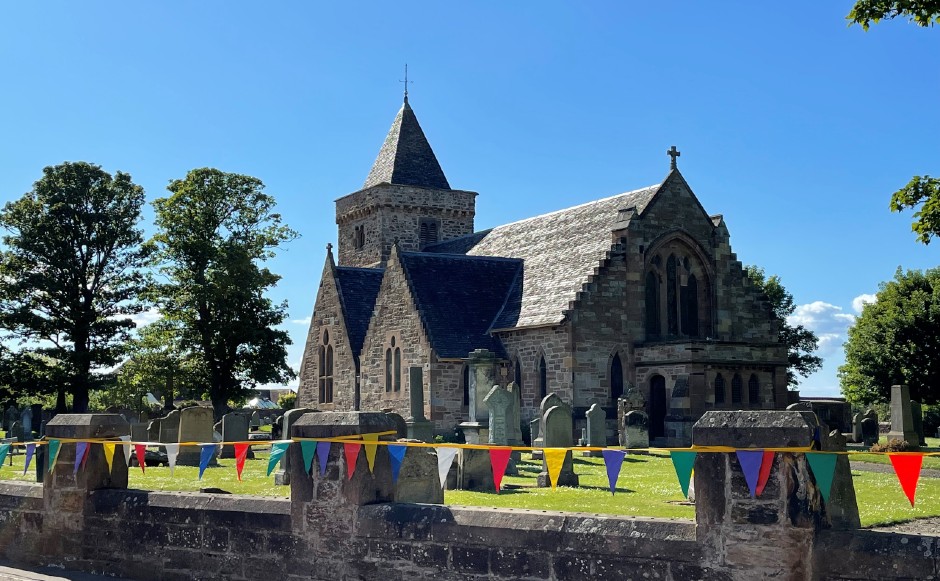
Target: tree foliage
71 271
925 192
896 340
214 232
920 12
801 342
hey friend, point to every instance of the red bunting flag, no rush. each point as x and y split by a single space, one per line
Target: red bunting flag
499 460
141 452
907 467
241 452
352 454
764 476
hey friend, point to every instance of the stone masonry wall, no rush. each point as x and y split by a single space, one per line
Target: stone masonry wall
327 315
447 406
527 346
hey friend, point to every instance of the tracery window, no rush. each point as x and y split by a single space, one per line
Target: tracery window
326 369
753 390
392 366
737 388
676 293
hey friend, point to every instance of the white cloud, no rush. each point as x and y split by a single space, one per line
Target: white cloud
828 321
859 302
305 321
146 317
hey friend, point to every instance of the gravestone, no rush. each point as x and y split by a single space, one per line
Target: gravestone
870 432
557 424
515 416
842 506
170 429
917 414
139 432
534 430
26 423
857 428
549 401
596 430
234 429
11 415
153 430
195 425
635 430
902 417
482 364
401 427
282 475
419 428
16 431
501 402
418 479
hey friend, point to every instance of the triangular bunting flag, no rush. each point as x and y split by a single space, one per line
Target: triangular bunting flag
823 466
307 449
172 452
907 467
277 452
370 449
766 464
554 459
141 452
323 454
396 452
30 450
53 453
4 450
445 457
683 461
499 460
81 448
241 453
127 450
613 461
108 454
205 456
351 450
750 461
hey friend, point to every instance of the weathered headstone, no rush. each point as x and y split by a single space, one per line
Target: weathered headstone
515 416
870 432
282 474
234 429
195 425
419 427
139 432
153 430
557 424
917 414
902 417
26 423
857 428
170 428
11 415
255 421
16 431
401 427
596 429
418 479
549 401
636 430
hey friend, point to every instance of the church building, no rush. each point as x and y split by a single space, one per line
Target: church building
638 292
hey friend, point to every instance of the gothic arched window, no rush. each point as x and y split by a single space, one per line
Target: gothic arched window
737 387
359 236
616 379
388 369
672 312
397 367
688 303
326 369
653 328
753 390
543 379
427 232
719 389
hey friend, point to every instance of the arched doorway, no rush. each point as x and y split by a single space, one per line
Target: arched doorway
658 406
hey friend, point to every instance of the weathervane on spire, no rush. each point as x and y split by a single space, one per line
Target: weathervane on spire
671 152
406 81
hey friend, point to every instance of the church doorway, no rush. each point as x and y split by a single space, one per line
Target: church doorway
657 406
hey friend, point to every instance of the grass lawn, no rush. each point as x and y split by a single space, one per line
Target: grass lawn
933 445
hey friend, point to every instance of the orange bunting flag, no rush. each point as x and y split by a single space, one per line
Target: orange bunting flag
554 459
352 455
141 452
370 449
907 467
766 464
499 460
241 452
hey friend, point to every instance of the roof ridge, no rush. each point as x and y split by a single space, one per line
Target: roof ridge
459 256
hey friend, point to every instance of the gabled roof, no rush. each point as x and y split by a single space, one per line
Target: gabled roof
406 157
459 296
559 250
358 288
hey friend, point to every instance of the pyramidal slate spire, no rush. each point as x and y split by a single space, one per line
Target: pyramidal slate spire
406 157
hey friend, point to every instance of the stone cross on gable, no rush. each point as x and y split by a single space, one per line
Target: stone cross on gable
673 153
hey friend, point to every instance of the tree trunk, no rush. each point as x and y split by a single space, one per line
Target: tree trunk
60 407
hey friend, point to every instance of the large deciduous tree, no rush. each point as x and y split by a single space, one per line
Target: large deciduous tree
801 342
921 12
71 271
895 340
214 233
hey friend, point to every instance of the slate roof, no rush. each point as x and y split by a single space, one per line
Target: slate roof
406 157
459 296
559 251
358 288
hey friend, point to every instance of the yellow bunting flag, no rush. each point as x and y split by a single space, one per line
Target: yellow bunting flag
370 449
554 458
108 454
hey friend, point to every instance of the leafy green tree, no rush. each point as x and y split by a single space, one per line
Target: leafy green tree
71 271
920 12
801 342
214 233
896 340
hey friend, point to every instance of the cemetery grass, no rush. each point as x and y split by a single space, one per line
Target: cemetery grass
932 462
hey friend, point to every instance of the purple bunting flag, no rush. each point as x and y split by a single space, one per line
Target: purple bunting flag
323 454
397 453
613 461
30 450
751 461
81 448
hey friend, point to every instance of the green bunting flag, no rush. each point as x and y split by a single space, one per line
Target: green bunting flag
308 448
277 452
53 454
823 466
683 462
4 450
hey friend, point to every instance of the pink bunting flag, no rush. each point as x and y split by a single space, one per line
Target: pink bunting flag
499 460
352 455
241 452
907 467
141 452
766 464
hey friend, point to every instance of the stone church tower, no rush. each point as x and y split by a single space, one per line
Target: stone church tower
405 199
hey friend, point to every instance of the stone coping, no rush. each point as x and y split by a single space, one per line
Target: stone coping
193 501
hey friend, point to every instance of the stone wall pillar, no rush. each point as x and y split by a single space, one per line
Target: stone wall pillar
757 538
65 495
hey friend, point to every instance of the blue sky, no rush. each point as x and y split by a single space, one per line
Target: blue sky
793 125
